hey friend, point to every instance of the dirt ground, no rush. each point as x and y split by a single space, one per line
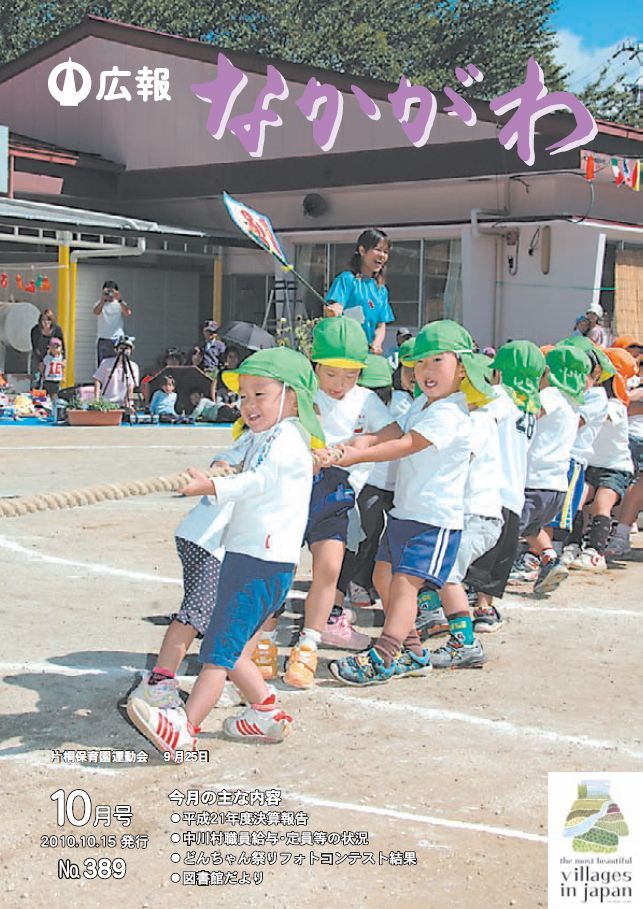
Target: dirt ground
451 768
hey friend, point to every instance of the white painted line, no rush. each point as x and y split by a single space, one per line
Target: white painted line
105 570
500 726
40 759
378 811
142 448
607 612
55 669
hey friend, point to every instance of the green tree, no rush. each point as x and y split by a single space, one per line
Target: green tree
612 99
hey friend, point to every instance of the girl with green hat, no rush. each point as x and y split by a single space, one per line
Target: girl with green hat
562 388
268 501
340 352
376 498
592 414
423 533
518 368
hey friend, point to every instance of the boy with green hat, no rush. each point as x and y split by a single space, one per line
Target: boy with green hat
424 528
518 368
592 415
562 390
339 352
269 507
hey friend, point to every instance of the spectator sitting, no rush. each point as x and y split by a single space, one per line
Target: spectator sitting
195 357
231 361
172 358
164 400
213 348
118 376
207 411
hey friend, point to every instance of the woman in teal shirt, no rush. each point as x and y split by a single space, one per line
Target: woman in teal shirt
360 292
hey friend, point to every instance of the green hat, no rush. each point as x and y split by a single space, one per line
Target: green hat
405 353
295 371
521 365
377 373
341 342
568 370
587 346
446 336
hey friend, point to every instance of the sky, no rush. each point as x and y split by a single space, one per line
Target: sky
589 32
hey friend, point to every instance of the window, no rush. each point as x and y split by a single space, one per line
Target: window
442 290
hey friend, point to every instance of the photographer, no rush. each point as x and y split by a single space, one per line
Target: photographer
111 310
117 376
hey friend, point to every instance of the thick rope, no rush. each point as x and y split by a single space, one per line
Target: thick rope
13 508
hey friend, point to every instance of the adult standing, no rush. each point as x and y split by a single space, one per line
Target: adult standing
117 376
111 311
43 331
360 292
596 332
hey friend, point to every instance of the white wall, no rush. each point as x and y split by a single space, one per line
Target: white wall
478 285
165 305
544 307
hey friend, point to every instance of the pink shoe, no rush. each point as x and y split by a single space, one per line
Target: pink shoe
340 633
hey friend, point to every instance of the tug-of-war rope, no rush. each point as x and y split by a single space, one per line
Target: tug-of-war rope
92 495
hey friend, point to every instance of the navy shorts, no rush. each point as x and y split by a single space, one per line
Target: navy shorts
330 501
541 506
421 550
605 478
575 486
636 450
250 591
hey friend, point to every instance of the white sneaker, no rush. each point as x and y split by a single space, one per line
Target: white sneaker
167 730
165 694
618 548
570 553
589 560
232 697
264 722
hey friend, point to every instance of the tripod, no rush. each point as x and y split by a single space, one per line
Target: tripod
123 360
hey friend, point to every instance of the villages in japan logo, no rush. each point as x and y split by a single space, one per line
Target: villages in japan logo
414 107
596 825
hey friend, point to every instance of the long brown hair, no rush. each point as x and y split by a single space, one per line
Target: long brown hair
47 314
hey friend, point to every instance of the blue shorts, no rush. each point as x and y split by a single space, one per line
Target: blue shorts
250 591
419 549
575 485
330 501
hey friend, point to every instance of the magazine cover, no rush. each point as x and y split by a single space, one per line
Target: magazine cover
320 439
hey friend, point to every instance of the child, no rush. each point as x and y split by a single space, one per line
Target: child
376 498
53 368
164 399
198 543
592 415
562 390
424 528
206 410
262 545
480 533
360 291
519 365
339 351
610 469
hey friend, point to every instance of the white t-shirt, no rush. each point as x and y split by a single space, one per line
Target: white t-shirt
430 483
110 320
549 454
53 368
383 473
516 431
594 411
360 411
271 495
235 453
482 489
116 391
611 447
